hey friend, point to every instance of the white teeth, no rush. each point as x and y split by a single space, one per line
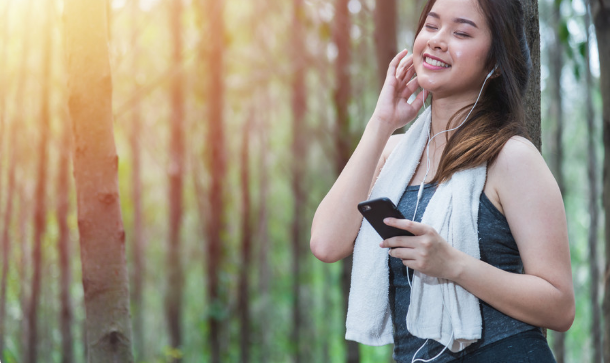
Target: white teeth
436 63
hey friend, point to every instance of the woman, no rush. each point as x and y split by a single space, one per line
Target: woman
471 57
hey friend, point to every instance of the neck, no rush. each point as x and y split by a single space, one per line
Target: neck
443 108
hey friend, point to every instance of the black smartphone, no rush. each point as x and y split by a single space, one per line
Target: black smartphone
376 210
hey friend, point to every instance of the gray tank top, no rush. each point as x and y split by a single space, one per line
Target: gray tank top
498 248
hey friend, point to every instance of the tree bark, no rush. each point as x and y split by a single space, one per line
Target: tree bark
100 224
532 94
40 193
385 36
298 107
592 166
246 247
556 114
600 13
341 99
64 244
176 176
263 230
6 245
217 167
139 267
11 177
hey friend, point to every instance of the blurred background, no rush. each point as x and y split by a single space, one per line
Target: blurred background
264 101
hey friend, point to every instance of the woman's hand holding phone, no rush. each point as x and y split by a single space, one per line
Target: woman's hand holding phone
393 108
426 251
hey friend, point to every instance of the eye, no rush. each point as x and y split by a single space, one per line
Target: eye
430 26
462 35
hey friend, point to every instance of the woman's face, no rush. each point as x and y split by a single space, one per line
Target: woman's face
450 51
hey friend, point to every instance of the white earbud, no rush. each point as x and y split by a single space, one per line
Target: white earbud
492 71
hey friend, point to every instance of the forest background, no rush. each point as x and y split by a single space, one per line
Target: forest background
232 119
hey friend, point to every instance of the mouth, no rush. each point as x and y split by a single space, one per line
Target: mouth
435 62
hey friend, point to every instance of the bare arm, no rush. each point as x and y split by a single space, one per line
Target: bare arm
532 204
337 220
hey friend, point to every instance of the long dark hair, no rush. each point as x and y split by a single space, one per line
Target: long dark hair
499 113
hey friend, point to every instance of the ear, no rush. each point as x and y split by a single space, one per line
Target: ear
497 72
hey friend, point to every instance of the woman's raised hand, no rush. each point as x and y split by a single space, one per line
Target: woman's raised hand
393 107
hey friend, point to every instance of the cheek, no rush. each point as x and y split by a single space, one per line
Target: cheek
418 49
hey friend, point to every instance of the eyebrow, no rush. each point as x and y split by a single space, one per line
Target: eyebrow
455 20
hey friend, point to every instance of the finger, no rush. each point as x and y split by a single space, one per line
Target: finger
418 102
403 73
405 63
416 228
398 242
403 253
410 88
394 62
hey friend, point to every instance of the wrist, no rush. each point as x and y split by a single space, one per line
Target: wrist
457 267
380 126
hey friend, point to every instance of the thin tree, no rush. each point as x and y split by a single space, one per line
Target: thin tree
246 245
6 240
66 316
385 36
217 168
342 139
592 166
263 226
600 13
555 50
11 177
102 237
298 108
532 94
40 209
176 176
139 266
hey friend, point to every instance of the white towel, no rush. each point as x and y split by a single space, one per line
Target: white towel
453 212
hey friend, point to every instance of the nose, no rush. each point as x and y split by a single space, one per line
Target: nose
437 42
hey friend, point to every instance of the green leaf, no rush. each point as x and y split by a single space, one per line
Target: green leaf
582 49
564 33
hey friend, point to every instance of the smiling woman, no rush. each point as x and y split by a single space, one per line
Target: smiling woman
489 262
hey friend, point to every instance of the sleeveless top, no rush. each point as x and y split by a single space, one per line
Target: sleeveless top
498 248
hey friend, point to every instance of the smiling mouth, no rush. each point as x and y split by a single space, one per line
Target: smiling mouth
436 63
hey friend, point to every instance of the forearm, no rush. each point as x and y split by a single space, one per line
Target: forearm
528 298
337 220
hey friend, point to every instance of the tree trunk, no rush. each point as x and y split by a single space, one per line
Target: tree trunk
11 176
600 12
246 247
298 106
176 175
139 268
385 36
592 166
40 194
8 212
63 243
263 230
23 264
341 99
532 94
217 167
556 115
100 224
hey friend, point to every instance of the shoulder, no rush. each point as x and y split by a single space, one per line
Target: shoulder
519 172
391 145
